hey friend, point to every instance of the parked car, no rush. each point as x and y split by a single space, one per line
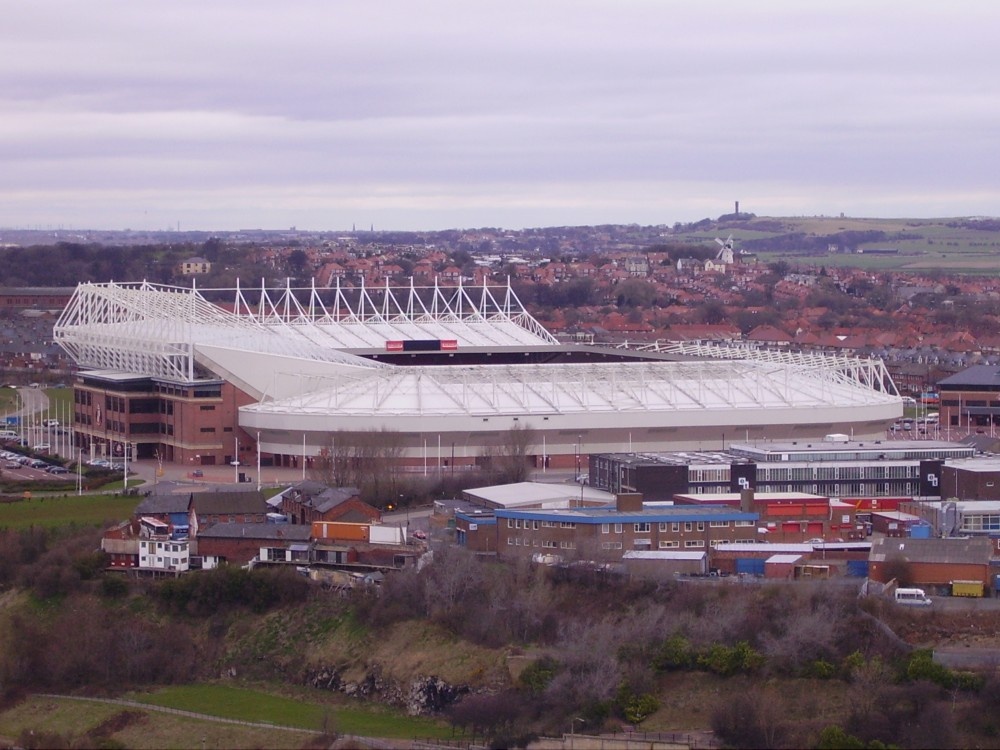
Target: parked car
41 448
37 463
50 423
197 473
11 465
57 470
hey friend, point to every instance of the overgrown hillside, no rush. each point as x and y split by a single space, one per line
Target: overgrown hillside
509 651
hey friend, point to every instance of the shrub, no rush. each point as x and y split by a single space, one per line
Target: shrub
675 654
113 586
536 676
835 738
730 660
921 666
640 707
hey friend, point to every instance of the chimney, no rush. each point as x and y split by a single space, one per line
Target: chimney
737 209
746 501
628 501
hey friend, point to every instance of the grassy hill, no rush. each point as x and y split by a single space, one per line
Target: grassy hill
918 245
509 651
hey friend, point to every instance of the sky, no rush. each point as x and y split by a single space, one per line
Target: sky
403 115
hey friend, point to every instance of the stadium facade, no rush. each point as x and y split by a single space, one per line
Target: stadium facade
457 374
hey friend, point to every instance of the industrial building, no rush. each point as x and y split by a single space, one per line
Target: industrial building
855 471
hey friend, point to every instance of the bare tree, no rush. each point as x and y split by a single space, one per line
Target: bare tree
507 461
367 460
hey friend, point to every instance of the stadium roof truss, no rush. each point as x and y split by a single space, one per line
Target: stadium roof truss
869 372
163 331
690 386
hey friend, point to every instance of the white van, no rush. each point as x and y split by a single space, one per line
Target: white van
913 597
8 435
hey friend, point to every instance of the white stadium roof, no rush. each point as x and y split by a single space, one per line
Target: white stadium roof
641 387
296 352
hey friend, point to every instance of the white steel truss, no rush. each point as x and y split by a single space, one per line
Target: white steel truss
871 372
155 330
693 386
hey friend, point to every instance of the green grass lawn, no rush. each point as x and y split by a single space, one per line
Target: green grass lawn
250 705
51 511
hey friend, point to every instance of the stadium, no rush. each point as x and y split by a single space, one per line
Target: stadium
456 375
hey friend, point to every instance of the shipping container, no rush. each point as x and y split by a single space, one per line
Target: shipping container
967 588
387 535
857 568
753 566
340 530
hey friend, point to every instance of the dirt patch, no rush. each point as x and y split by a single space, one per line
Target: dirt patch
973 629
116 723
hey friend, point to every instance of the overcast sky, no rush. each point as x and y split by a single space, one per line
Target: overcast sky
323 114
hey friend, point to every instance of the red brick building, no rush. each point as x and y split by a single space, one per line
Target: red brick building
788 516
192 424
238 543
220 506
932 563
314 501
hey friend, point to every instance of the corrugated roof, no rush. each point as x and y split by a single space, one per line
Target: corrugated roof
963 550
977 375
781 559
662 555
272 531
220 502
163 504
520 494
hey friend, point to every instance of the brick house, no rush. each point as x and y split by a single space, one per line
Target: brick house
310 501
173 510
193 266
239 543
221 506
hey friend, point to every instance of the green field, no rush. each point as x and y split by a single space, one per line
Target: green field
92 724
53 511
250 705
924 245
131 727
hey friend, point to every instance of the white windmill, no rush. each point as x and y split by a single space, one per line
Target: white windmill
725 250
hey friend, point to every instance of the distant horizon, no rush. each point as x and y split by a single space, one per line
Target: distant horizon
432 116
495 227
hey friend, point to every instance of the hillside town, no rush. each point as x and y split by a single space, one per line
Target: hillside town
905 515
605 286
